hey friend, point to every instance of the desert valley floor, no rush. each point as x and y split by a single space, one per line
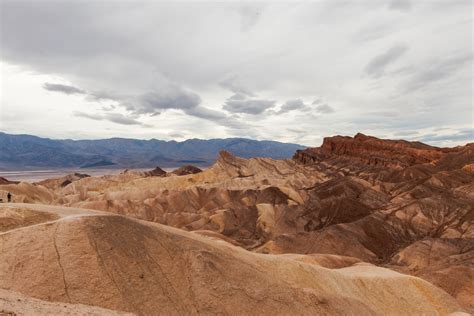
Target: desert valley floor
358 226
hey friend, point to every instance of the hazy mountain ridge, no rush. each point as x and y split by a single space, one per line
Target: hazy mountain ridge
23 151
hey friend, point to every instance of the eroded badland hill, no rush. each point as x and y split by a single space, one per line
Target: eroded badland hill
360 226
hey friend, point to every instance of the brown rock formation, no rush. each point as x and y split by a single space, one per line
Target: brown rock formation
185 170
372 151
157 172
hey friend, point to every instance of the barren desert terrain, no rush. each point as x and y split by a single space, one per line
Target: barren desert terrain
358 226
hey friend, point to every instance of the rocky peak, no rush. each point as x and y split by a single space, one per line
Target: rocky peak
229 164
360 137
226 158
157 172
225 155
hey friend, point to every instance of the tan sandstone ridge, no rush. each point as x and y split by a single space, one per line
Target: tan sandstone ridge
79 256
401 205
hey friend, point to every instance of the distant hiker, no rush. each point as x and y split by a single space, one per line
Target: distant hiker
9 197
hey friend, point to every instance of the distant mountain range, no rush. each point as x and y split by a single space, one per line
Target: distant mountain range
29 152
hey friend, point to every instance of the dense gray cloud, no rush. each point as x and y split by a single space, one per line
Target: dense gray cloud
250 106
173 65
121 119
292 105
112 117
179 99
62 88
205 113
324 109
238 96
377 65
151 103
172 98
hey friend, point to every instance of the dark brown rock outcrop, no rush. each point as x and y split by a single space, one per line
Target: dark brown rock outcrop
157 172
6 181
372 151
185 170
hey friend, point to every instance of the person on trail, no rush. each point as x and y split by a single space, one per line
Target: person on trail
9 197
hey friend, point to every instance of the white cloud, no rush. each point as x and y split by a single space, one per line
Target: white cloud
175 66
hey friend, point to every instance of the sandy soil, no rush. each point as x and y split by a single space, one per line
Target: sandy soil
16 304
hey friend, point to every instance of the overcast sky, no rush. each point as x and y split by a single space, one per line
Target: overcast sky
292 72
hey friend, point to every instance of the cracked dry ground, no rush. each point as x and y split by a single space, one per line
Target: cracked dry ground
303 235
